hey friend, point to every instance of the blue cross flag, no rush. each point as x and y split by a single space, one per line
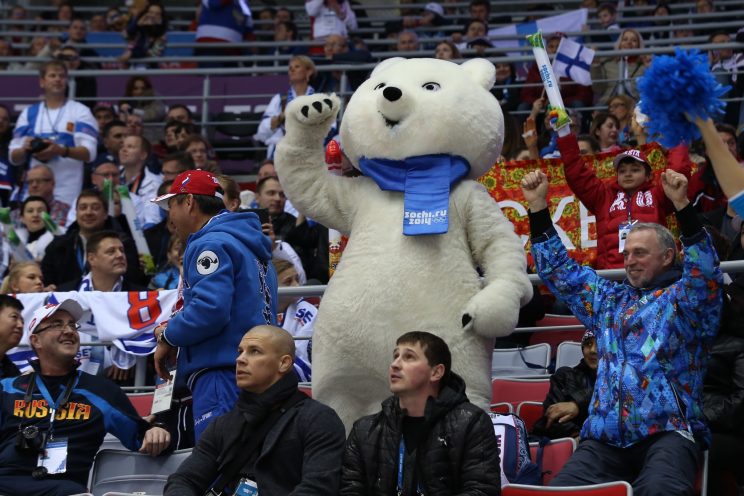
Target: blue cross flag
573 60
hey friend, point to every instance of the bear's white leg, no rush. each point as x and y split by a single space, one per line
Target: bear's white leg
345 384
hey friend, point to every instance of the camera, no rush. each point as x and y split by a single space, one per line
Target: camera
30 440
38 145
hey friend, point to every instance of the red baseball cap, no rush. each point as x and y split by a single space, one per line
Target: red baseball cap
636 155
191 182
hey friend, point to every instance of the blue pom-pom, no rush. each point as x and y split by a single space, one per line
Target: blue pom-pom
673 86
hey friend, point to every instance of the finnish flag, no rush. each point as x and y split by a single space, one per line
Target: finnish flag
573 60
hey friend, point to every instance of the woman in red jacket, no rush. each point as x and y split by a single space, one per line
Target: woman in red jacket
633 197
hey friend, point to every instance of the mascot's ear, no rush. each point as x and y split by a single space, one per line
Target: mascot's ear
481 71
391 62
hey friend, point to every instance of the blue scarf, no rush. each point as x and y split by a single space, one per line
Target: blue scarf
425 182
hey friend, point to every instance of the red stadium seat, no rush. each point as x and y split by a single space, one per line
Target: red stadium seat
502 408
530 412
515 391
555 455
619 488
554 338
142 402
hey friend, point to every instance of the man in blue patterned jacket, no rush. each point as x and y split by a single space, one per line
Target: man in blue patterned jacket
645 423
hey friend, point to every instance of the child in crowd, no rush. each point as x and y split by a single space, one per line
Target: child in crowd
296 316
167 276
634 196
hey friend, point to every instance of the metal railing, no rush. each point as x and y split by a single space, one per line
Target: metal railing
315 291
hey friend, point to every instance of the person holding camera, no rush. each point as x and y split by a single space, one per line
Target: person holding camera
58 132
53 420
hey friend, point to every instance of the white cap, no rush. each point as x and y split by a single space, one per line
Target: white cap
435 7
71 306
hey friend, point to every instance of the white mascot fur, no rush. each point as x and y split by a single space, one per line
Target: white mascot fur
388 282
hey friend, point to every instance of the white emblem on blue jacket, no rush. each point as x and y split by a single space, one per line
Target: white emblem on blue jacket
207 262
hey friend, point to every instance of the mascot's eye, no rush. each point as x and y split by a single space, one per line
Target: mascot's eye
380 86
431 86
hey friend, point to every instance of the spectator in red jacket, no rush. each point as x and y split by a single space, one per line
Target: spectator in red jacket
634 196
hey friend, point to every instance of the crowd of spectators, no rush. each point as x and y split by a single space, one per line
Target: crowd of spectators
142 143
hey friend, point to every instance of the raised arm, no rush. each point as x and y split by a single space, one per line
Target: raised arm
300 164
729 173
574 284
700 288
585 184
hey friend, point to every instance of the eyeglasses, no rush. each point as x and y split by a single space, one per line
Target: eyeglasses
59 327
39 181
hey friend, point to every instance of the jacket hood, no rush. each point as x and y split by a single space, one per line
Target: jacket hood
243 226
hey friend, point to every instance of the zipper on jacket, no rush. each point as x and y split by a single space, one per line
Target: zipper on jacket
620 403
682 411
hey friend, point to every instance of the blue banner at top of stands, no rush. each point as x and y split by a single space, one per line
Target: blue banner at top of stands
171 38
179 37
109 37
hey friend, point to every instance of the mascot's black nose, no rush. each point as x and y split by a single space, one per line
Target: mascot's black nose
392 93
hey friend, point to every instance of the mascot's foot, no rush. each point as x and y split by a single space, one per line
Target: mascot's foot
314 110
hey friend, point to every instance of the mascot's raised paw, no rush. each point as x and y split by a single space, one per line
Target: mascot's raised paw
314 110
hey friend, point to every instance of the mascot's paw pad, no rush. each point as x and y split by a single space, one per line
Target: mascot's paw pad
317 111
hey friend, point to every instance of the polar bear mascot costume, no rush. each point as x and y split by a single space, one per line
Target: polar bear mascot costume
420 227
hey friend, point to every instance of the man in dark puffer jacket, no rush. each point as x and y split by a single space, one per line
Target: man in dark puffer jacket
428 438
567 404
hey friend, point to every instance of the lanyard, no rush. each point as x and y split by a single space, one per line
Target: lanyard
56 120
64 395
79 256
401 458
134 186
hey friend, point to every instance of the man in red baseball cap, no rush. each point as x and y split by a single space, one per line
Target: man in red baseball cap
229 286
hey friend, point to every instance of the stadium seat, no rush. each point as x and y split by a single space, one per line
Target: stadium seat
128 472
109 38
142 402
619 488
554 457
111 442
569 354
172 37
236 133
554 338
521 362
502 408
530 412
515 391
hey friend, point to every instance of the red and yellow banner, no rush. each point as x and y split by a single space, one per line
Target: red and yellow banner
575 224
